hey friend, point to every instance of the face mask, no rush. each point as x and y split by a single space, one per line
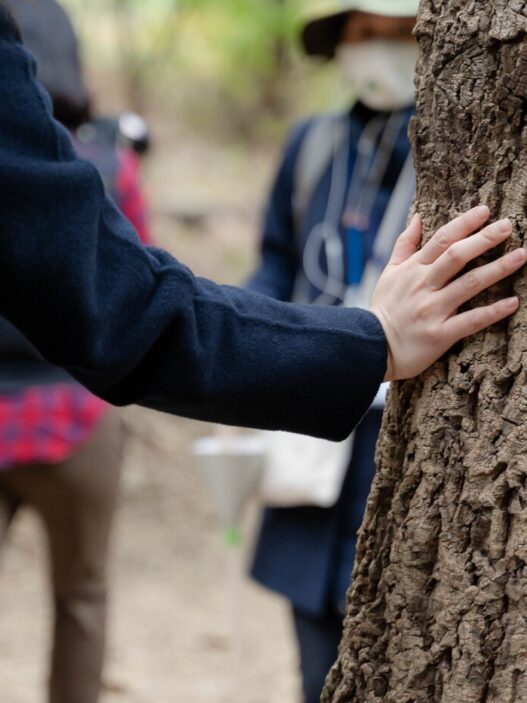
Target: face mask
381 72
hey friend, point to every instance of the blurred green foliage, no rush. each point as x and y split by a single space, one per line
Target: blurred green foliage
230 62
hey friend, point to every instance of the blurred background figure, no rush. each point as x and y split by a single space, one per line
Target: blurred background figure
342 193
60 447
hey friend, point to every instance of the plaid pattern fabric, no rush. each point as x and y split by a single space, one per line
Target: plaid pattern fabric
46 424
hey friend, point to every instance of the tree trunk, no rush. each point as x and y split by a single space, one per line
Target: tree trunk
438 607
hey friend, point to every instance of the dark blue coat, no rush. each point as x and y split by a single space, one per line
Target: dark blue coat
307 554
133 324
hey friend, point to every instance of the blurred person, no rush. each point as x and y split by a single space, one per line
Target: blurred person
60 446
345 186
136 326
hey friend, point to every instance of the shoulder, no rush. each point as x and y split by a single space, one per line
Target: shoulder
300 131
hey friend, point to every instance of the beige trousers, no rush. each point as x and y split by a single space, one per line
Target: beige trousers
76 501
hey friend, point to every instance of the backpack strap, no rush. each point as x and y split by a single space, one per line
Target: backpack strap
321 143
395 217
323 139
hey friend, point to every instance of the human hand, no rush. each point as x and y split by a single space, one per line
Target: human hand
418 295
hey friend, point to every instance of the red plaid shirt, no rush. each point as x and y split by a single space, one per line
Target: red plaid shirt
47 424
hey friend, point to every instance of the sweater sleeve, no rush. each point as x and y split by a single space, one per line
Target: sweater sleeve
134 325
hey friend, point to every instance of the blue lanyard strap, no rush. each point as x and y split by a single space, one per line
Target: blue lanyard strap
369 171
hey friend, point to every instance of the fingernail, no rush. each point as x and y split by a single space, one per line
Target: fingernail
511 303
518 256
482 211
504 225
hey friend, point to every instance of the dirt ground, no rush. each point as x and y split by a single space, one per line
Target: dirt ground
170 634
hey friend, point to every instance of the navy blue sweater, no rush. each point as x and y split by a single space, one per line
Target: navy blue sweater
133 324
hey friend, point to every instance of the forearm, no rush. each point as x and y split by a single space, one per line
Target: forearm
136 326
232 357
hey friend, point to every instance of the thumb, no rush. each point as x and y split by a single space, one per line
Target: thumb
408 243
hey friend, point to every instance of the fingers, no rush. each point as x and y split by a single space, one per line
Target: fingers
478 280
473 321
408 243
461 253
454 231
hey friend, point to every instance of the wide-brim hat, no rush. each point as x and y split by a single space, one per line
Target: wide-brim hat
323 26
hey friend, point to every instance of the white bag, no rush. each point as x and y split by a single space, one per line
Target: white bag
301 471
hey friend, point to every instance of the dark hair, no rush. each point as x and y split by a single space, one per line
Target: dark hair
48 33
7 20
71 116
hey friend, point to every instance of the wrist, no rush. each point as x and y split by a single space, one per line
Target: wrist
390 373
390 367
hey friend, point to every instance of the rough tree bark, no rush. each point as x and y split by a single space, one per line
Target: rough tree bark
438 609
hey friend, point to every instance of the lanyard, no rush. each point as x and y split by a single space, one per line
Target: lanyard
371 164
367 177
355 200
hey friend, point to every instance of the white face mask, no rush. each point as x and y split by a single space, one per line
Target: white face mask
381 72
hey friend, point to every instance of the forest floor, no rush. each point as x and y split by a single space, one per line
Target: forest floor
170 633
